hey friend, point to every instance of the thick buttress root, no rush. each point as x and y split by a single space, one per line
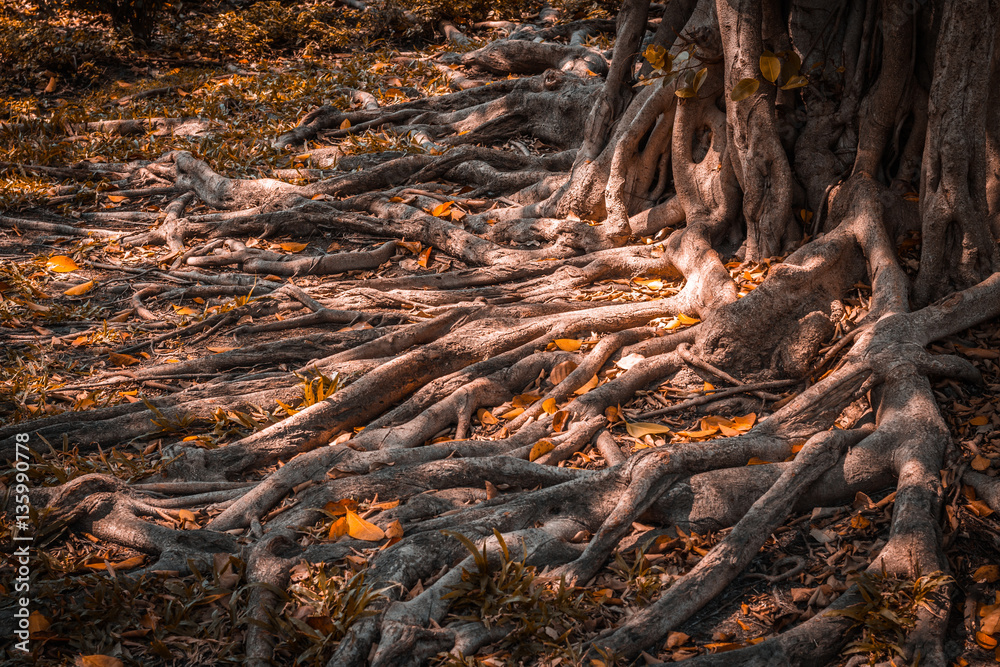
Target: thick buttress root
463 399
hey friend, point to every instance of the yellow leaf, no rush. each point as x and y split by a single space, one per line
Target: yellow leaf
82 288
639 429
37 622
338 528
346 124
655 54
743 89
122 359
486 417
770 66
99 661
61 264
591 383
510 414
981 420
549 406
541 448
980 463
293 247
796 81
702 433
360 529
699 79
559 420
424 257
116 198
568 344
859 522
687 321
708 387
441 209
184 310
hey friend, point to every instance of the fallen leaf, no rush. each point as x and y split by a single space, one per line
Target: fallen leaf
549 406
122 359
37 623
98 661
360 529
424 257
559 420
981 420
985 640
61 264
568 344
82 288
51 87
441 209
675 639
980 463
639 429
591 383
510 414
541 448
294 247
987 574
394 530
628 362
219 350
116 198
524 400
687 321
346 124
486 417
755 461
338 528
561 371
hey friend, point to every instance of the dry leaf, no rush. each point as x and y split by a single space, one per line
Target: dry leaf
639 429
394 530
980 508
561 371
338 528
591 383
37 623
98 661
985 640
116 198
628 362
510 414
294 247
82 288
424 257
219 350
980 463
568 344
675 639
549 406
441 209
486 417
360 529
559 420
541 448
346 124
687 321
122 359
981 420
524 400
987 574
61 264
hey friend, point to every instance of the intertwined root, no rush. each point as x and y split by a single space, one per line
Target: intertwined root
437 352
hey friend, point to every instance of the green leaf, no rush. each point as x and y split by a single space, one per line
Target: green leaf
743 89
770 66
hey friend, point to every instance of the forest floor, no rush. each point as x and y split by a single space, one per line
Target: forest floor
82 317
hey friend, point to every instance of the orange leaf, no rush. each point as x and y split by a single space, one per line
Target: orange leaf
860 522
568 344
745 422
98 661
985 640
346 124
687 321
82 288
987 574
981 420
116 198
293 247
219 350
559 420
754 461
639 429
486 417
61 264
51 87
549 406
541 448
424 257
338 528
394 530
524 400
341 507
441 209
360 529
980 508
510 414
591 383
122 359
